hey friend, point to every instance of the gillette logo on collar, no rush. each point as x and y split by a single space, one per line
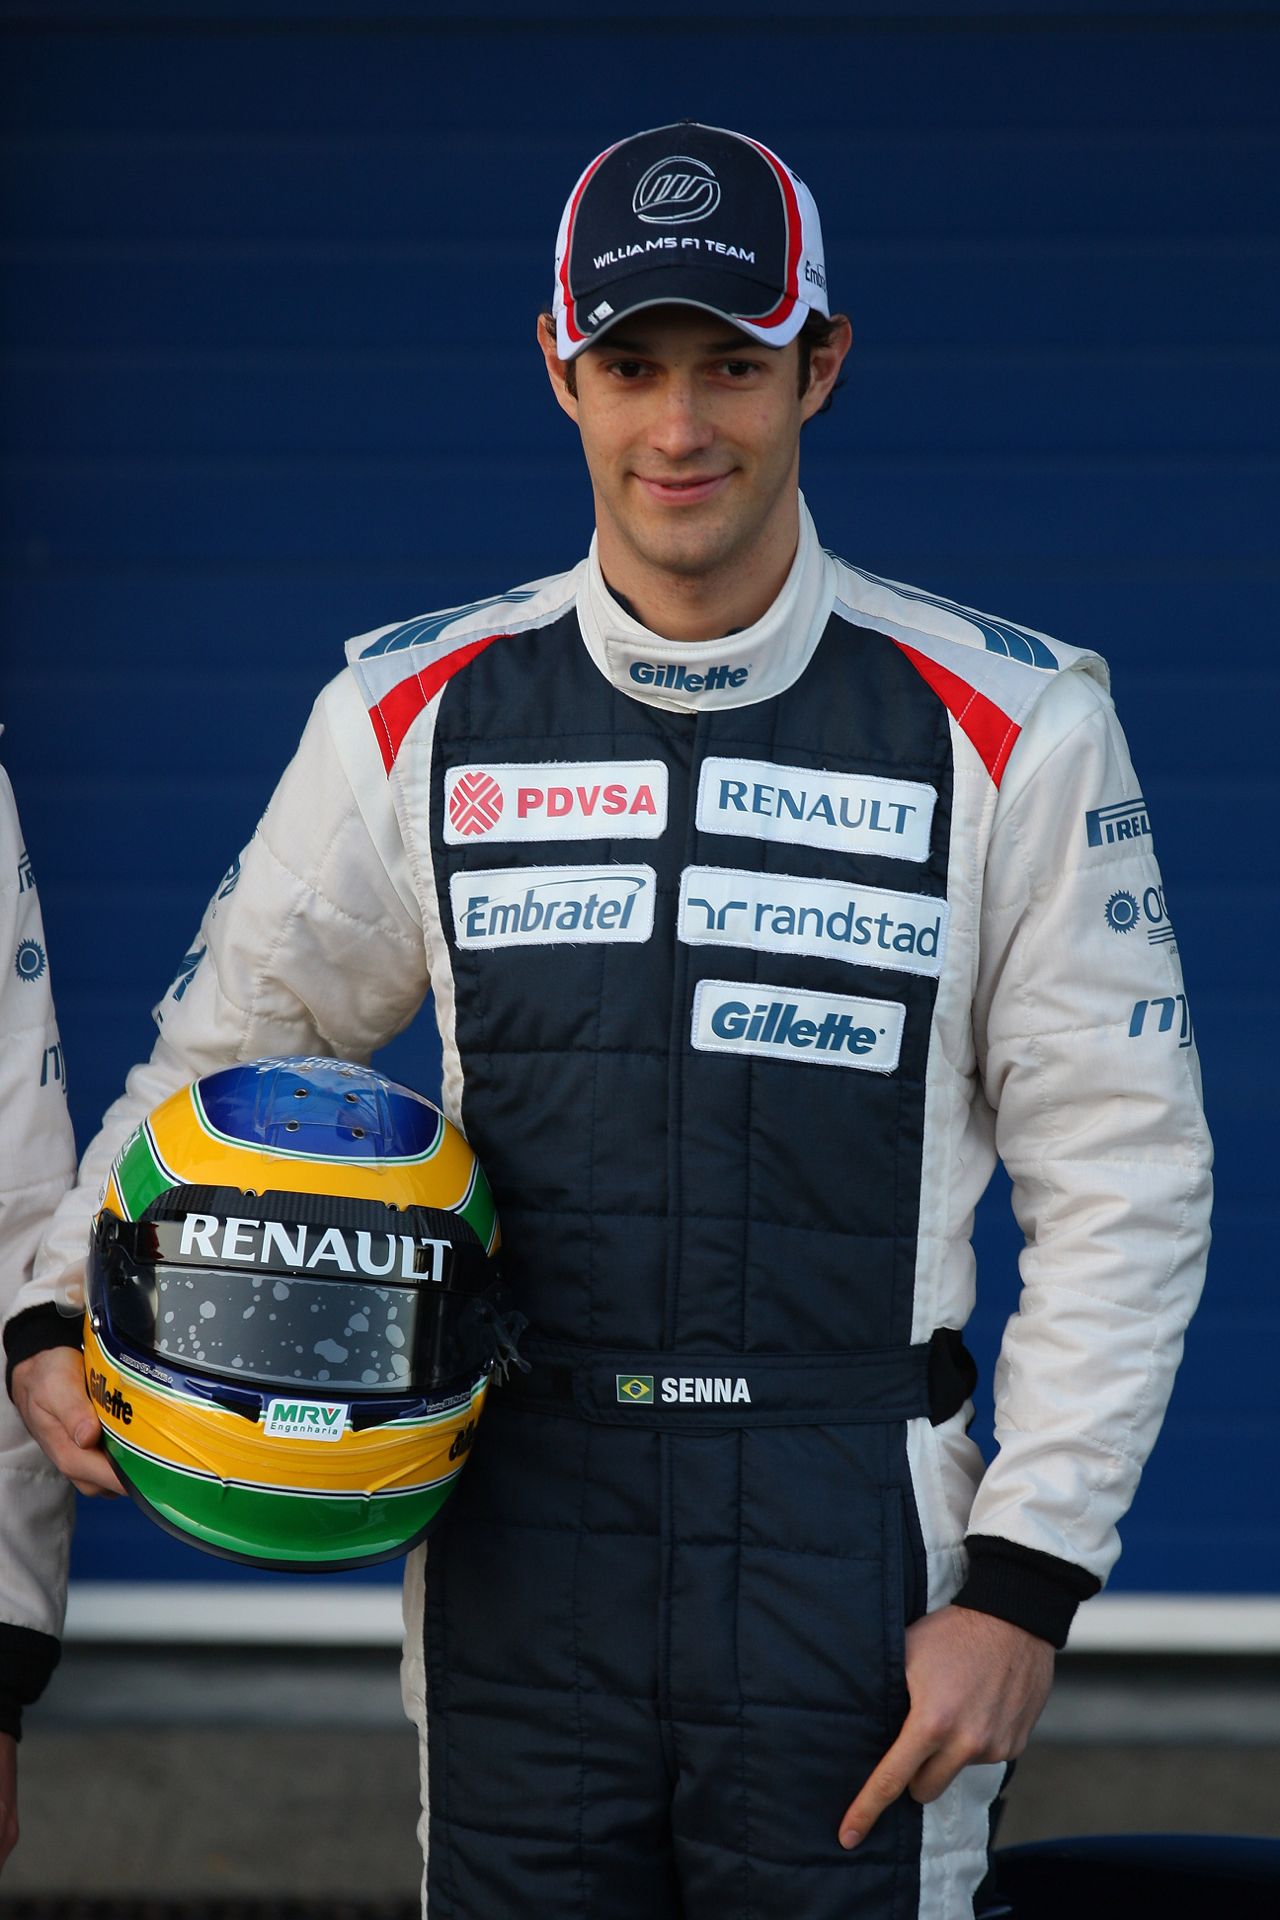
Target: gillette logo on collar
675 677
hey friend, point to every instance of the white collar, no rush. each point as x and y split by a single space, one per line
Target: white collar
754 664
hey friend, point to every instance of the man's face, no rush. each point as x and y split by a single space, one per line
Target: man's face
691 433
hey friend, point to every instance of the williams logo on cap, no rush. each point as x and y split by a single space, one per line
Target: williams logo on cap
675 191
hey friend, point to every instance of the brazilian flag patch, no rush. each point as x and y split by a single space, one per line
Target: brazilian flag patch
635 1387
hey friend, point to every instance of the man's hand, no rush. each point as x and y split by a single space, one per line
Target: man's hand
977 1686
48 1391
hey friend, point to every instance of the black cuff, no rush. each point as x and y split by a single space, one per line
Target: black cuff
27 1658
36 1330
1029 1589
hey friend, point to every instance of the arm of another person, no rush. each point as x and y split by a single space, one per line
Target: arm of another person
311 944
1085 1050
37 1165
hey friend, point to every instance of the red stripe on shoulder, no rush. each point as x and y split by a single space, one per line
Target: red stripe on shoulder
991 731
396 712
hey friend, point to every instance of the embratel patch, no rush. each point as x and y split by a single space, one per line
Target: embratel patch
555 800
545 906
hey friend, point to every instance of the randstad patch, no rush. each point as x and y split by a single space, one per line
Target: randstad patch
305 1420
637 1388
555 800
796 914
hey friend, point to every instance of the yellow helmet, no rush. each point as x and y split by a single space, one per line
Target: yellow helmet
294 1312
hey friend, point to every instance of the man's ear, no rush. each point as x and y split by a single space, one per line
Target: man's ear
557 369
824 367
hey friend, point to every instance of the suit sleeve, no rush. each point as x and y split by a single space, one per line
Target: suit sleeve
1086 1054
310 944
37 1165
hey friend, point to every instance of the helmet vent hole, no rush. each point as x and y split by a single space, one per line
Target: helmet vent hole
357 1133
300 1093
351 1097
291 1126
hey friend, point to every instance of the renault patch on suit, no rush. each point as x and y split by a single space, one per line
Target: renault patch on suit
783 1023
542 906
787 913
808 807
556 800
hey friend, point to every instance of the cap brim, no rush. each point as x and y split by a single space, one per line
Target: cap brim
743 302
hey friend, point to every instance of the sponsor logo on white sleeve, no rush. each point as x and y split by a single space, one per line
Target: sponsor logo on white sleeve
548 906
787 913
785 1023
1125 820
845 812
1125 912
556 800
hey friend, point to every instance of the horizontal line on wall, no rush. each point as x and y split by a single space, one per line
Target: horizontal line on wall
194 1613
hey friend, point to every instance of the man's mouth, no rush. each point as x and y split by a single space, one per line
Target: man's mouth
687 491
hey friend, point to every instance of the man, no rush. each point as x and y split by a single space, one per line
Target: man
763 900
37 1165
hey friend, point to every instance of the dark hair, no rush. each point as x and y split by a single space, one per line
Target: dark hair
816 332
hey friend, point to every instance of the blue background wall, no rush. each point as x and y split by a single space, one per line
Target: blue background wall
268 379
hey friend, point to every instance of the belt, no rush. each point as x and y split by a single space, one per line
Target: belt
704 1392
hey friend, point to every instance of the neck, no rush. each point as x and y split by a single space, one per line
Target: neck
684 606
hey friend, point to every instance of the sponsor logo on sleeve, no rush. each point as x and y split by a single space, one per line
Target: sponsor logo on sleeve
1125 912
26 878
544 906
1169 1014
1126 820
29 960
556 800
845 812
786 1023
785 913
304 1420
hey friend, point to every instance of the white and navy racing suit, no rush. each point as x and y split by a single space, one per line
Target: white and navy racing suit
749 956
37 1165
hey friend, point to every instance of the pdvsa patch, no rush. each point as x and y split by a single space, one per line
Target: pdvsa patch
555 800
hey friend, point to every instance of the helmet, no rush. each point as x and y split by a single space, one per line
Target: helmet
293 1313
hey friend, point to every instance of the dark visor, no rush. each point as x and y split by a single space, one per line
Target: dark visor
345 1333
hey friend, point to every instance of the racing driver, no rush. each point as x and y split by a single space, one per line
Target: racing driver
765 901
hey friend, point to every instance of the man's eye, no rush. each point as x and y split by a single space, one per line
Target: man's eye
738 369
626 369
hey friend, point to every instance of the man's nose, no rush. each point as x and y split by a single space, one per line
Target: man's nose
681 425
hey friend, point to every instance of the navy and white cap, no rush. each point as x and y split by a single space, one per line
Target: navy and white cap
691 214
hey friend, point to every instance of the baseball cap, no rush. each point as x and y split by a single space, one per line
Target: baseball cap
695 215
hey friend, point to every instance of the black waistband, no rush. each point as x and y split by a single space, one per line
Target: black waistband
701 1392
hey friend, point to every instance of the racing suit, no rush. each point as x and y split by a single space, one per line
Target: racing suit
37 1165
748 957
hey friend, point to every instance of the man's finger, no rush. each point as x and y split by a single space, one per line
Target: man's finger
888 1783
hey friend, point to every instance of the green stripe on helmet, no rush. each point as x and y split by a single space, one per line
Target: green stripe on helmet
139 1175
311 1532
